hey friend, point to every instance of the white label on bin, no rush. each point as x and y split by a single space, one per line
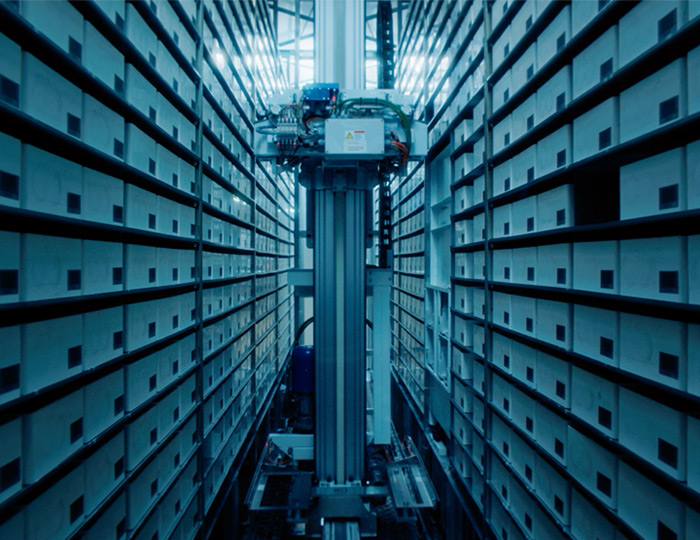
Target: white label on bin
355 140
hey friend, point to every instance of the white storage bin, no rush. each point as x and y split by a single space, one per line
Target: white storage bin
652 268
524 260
501 48
169 414
660 95
9 265
596 334
693 439
501 221
655 185
525 318
554 151
555 208
523 167
661 442
522 458
501 310
596 266
502 352
43 366
553 490
501 91
653 348
582 13
551 433
522 507
59 510
103 336
502 135
109 522
141 150
167 116
554 95
101 470
523 411
693 83
141 493
502 265
140 93
554 379
141 437
10 337
595 400
596 130
645 506
50 98
554 265
586 521
60 22
500 397
554 323
141 381
554 37
103 60
524 68
502 178
693 174
141 266
104 404
50 435
99 260
141 35
10 167
523 216
11 69
141 328
11 458
50 184
593 466
103 198
523 118
596 63
648 24
103 129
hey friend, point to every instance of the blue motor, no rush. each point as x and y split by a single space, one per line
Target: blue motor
303 369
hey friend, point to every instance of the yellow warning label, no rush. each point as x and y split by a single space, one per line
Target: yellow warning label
349 135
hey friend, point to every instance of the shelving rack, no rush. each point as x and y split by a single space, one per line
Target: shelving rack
565 137
145 315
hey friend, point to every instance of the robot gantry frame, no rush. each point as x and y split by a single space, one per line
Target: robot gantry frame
345 143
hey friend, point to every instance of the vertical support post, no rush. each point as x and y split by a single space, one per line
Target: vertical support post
380 280
339 39
339 325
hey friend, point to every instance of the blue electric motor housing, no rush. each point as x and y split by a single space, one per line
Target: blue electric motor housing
303 369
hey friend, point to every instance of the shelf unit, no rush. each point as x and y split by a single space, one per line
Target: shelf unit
145 313
570 133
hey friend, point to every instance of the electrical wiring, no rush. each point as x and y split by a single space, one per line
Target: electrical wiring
405 123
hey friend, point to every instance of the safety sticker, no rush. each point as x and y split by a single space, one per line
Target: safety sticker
355 141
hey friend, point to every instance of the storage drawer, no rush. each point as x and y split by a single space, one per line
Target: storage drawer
647 24
103 60
596 63
644 505
51 434
554 265
104 400
100 472
596 130
554 323
661 442
49 515
50 98
42 366
554 151
554 37
103 198
652 268
660 95
593 466
653 186
554 379
11 458
596 334
654 349
50 184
